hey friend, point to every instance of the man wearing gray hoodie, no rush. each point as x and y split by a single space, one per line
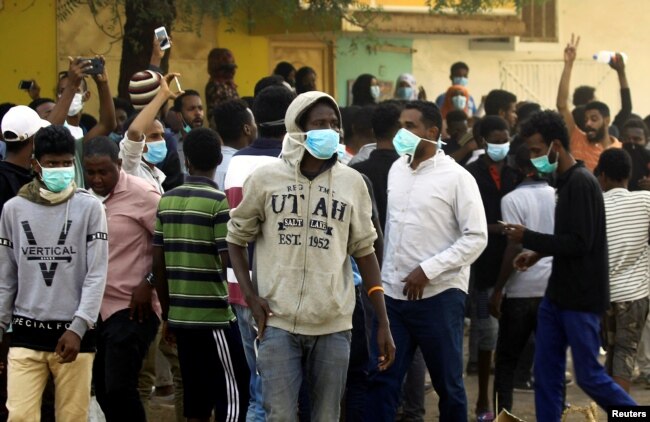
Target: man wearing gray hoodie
53 263
306 214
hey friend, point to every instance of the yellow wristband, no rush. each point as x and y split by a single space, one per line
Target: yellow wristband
374 289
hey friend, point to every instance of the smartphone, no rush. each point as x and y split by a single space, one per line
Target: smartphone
161 34
96 66
178 84
26 85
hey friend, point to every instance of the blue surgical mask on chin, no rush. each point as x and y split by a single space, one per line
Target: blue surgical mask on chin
543 165
460 80
156 152
322 143
497 152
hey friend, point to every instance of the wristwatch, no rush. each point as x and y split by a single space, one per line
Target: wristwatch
150 279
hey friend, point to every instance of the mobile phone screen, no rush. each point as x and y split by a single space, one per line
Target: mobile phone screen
26 85
161 34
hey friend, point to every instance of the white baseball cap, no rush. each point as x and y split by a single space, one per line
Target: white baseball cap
20 123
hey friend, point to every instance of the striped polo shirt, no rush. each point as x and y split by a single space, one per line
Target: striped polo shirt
191 227
628 222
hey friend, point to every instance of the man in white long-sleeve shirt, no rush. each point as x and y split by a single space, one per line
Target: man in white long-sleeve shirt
434 230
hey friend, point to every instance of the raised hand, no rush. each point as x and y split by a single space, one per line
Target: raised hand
571 49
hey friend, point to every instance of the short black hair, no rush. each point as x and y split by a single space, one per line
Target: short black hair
39 102
362 120
601 107
178 102
53 140
458 66
385 119
123 104
102 146
431 115
230 116
549 125
284 69
635 123
615 164
490 124
347 116
583 94
578 114
271 105
527 109
266 82
455 116
498 100
64 75
300 75
202 148
522 159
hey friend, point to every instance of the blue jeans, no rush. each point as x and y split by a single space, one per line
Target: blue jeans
556 329
285 359
435 325
255 411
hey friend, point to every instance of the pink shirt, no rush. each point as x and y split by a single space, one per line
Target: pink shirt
131 214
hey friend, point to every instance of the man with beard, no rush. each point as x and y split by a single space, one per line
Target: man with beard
588 145
189 109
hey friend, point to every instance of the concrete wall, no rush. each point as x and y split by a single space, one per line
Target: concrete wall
602 24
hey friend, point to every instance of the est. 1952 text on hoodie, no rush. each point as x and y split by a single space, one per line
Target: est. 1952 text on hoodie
304 232
53 262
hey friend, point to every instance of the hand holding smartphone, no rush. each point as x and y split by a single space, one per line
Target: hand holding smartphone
25 85
96 66
163 38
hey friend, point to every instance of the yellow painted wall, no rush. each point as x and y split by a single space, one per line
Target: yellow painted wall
251 54
36 46
28 49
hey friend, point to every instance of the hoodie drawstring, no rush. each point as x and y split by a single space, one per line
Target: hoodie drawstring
65 222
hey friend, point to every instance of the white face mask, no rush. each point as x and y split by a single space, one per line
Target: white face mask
76 105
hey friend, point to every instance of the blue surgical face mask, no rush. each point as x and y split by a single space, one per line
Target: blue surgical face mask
406 142
375 91
498 152
460 80
543 165
156 152
404 92
459 102
322 143
58 178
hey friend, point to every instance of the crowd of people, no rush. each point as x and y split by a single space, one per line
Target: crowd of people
280 258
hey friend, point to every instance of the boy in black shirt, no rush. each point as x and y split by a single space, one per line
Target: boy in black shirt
578 289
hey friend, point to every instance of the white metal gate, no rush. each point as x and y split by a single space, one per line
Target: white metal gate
538 81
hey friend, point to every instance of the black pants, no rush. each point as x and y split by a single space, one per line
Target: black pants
518 320
122 344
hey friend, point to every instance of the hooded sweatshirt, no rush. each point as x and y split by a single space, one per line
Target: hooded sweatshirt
304 231
53 262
